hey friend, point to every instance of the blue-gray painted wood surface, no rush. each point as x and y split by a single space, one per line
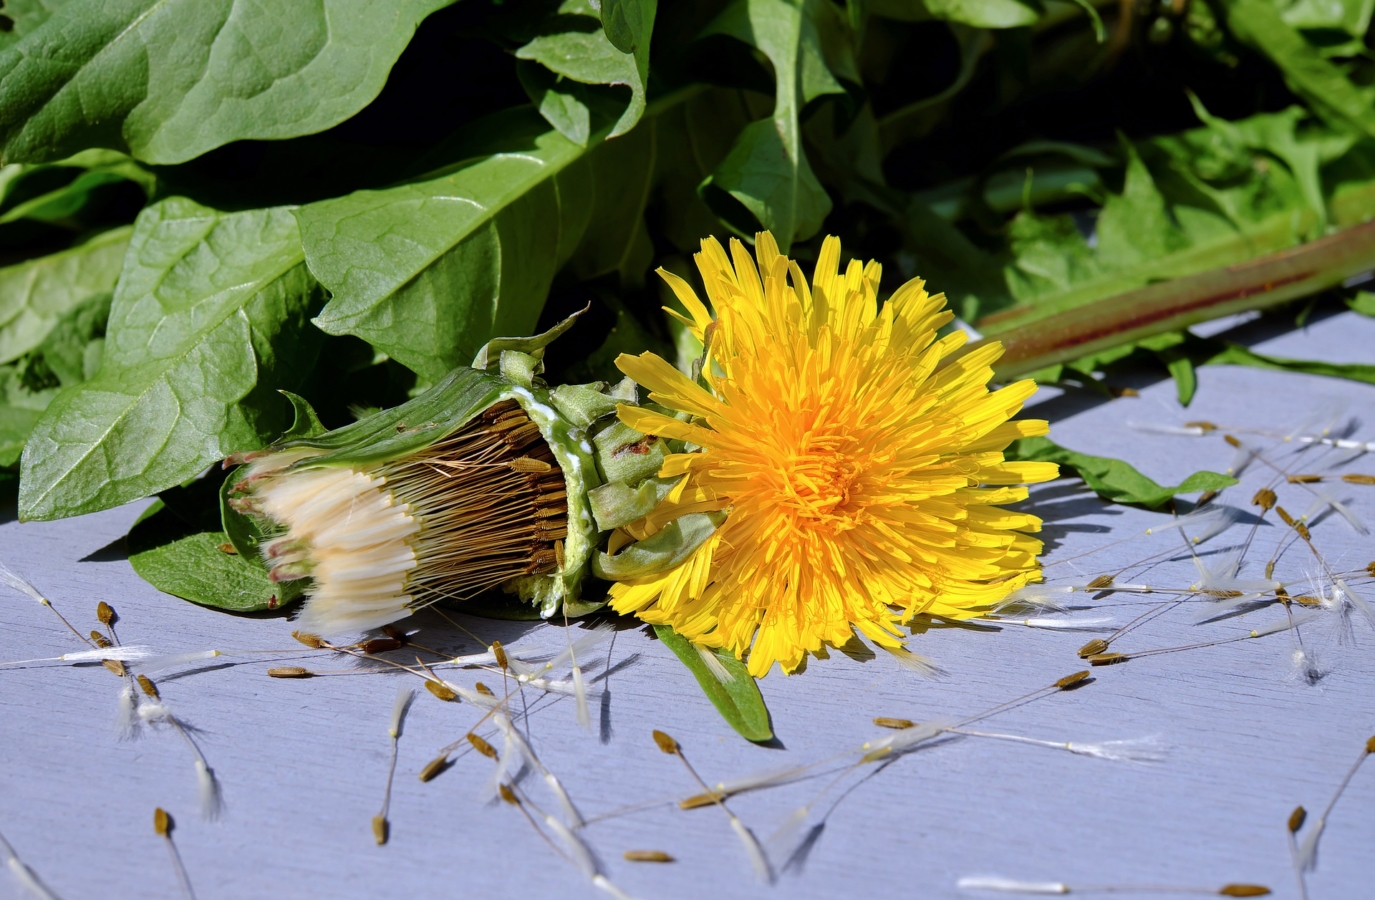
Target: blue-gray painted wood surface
302 763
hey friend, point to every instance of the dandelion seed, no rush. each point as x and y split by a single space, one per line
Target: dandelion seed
434 767
115 666
106 614
1245 453
903 740
312 641
1016 886
380 826
526 752
162 826
1354 478
758 860
380 645
289 672
127 653
441 690
13 580
655 856
1092 648
1308 850
27 878
1296 820
1341 587
886 722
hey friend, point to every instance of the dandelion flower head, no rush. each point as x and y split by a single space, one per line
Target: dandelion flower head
861 480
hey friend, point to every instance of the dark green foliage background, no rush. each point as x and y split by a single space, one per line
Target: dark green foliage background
205 202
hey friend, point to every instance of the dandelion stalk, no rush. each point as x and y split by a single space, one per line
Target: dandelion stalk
1037 336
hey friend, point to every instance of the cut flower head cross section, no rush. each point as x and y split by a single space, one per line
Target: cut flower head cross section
853 479
479 483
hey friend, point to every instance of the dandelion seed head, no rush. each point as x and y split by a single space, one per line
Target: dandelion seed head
378 541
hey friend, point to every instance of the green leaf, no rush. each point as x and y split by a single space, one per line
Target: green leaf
209 319
168 80
1236 355
564 103
1363 303
628 23
176 547
20 410
985 13
305 424
429 271
575 48
25 16
737 699
36 293
1190 203
1114 479
73 348
1318 81
767 170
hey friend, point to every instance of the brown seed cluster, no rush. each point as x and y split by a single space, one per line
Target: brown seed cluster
492 502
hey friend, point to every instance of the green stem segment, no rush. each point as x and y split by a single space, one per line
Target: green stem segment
1174 305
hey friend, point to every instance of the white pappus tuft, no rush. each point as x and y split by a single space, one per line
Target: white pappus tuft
758 860
128 720
1147 749
27 878
12 579
1010 885
208 791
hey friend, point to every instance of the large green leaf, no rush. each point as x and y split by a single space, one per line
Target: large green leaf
209 319
430 271
984 13
20 410
736 697
576 48
68 355
767 169
36 293
24 16
1114 479
1314 78
168 80
178 547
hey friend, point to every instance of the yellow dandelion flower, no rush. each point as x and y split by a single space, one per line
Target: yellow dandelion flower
861 481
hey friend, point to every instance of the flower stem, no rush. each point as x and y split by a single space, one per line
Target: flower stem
1172 305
